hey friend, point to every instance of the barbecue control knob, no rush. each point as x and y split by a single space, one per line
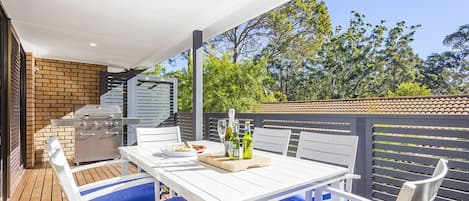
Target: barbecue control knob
108 124
85 125
97 124
116 123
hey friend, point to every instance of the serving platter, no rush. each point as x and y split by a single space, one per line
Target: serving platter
225 163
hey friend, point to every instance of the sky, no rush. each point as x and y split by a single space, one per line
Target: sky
438 18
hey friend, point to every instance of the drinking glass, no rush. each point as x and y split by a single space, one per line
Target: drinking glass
222 130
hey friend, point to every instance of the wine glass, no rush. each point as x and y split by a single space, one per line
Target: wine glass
222 130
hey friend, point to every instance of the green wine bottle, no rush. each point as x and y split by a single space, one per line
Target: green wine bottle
234 143
228 134
247 141
229 131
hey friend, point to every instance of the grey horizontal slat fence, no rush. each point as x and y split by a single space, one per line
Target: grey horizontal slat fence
408 147
184 120
392 148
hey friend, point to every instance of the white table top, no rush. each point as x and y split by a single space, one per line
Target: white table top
195 180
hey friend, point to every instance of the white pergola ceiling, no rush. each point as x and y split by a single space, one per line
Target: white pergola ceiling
127 33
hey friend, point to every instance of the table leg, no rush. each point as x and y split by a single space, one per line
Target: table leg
309 195
317 194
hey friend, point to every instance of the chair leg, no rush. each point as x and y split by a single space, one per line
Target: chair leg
157 191
171 193
338 185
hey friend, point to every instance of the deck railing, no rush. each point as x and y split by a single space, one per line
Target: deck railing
392 148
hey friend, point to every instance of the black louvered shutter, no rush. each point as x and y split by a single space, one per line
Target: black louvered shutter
15 109
23 107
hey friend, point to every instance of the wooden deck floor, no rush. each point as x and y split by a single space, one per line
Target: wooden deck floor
41 184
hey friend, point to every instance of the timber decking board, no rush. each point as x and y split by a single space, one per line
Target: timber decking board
21 186
41 184
47 185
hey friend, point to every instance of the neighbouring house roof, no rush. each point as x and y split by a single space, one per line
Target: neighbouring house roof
127 33
448 104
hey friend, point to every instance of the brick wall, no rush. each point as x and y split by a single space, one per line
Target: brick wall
56 88
30 110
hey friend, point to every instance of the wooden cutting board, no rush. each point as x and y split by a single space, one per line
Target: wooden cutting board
225 163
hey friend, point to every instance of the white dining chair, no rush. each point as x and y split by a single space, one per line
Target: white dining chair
133 187
426 189
155 138
332 149
271 140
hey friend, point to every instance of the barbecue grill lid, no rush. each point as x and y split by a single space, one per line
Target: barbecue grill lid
96 111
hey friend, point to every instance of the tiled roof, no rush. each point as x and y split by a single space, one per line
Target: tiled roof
447 104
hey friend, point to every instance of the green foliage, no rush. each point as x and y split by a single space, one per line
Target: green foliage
448 72
410 89
157 71
293 53
363 61
298 31
227 85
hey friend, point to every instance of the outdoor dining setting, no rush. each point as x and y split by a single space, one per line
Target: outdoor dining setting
234 100
254 167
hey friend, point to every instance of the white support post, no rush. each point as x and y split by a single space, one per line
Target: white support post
197 87
125 168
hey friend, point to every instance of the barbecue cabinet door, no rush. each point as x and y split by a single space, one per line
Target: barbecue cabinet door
95 146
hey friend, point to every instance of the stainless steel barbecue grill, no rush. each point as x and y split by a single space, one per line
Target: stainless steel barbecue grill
98 131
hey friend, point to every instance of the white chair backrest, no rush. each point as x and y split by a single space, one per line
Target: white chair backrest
335 149
271 140
60 165
426 189
155 138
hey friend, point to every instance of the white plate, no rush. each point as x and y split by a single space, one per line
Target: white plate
167 151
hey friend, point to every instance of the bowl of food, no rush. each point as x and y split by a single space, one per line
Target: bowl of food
179 150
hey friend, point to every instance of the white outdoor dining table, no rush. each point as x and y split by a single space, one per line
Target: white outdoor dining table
195 180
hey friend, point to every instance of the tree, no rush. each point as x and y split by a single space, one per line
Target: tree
440 74
448 72
459 40
364 60
410 89
297 31
349 60
399 57
242 40
157 71
304 17
306 59
227 85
